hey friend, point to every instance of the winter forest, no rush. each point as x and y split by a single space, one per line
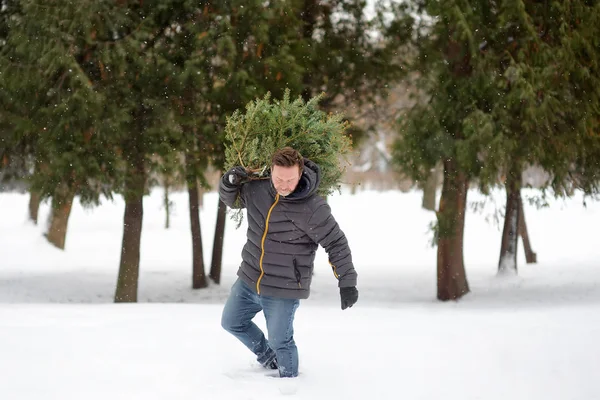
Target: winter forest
460 148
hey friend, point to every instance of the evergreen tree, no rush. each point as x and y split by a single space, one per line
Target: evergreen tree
572 154
200 61
54 105
269 125
186 65
495 79
93 93
8 148
138 81
432 131
346 54
350 55
295 44
220 54
242 50
543 110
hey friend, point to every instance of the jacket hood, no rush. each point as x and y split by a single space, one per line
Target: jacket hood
308 184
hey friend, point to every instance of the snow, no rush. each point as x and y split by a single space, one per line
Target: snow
531 336
507 265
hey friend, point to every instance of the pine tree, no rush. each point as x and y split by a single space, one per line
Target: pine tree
216 56
185 56
201 61
573 148
241 51
138 80
432 131
268 125
305 47
12 150
15 150
54 105
347 56
495 79
542 114
97 105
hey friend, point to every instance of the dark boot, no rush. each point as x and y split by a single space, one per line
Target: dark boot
272 364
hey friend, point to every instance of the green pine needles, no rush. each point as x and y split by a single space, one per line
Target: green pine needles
269 125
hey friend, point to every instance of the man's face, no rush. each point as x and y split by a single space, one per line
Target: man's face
285 179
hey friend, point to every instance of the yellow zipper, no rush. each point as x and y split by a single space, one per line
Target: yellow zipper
262 245
334 271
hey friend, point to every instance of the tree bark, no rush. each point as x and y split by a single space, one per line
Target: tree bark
167 204
217 255
34 206
429 190
201 192
451 276
530 255
129 268
59 218
199 280
510 233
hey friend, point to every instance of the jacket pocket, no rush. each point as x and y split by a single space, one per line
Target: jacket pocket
297 273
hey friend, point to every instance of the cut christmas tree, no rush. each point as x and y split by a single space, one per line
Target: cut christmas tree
270 124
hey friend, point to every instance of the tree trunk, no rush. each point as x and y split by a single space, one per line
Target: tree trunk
451 276
59 219
530 255
217 255
199 280
34 206
510 233
429 190
167 204
201 192
129 268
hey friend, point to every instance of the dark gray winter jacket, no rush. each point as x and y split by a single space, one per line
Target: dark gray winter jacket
284 234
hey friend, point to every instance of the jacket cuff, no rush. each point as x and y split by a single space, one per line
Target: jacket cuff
226 182
348 281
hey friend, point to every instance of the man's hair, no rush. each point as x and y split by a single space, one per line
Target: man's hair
287 157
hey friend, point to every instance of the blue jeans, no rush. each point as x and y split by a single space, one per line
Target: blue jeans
242 305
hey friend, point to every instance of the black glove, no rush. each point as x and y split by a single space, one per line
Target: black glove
349 296
235 176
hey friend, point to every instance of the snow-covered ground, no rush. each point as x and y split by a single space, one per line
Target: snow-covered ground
528 337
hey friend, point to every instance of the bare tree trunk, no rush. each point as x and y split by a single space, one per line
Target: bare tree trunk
451 276
217 255
530 255
510 233
59 218
201 192
129 268
34 206
429 190
199 280
167 204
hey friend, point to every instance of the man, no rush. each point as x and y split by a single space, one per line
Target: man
287 221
